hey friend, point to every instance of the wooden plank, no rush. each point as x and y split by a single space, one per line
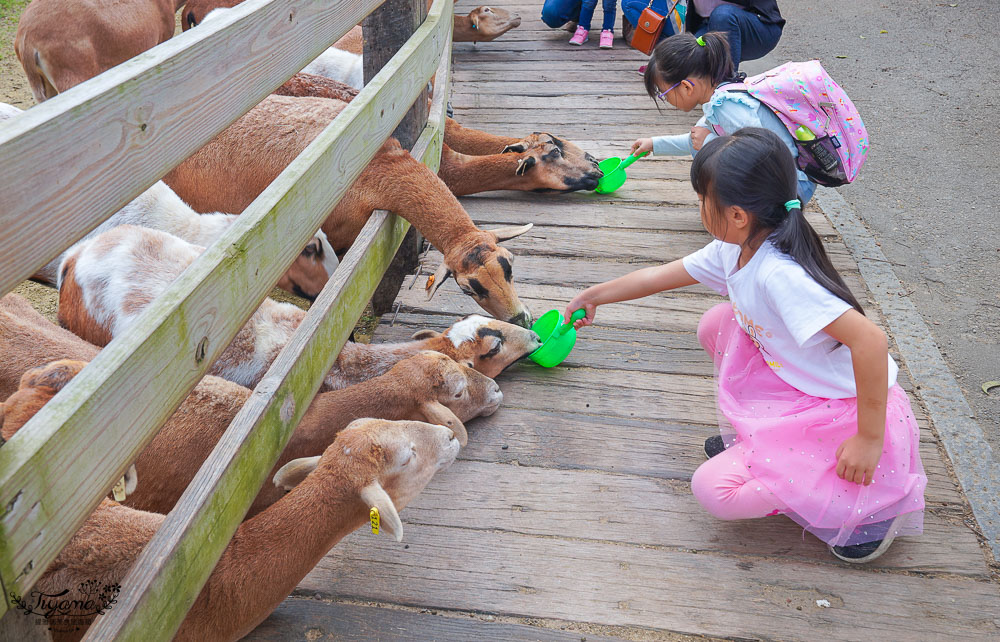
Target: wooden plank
656 512
562 438
177 562
495 208
135 122
657 588
139 379
646 246
304 619
633 101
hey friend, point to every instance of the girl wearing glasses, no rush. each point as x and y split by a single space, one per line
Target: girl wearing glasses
685 72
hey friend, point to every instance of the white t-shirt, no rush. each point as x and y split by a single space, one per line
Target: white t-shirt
784 311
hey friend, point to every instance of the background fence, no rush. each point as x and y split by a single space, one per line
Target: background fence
70 162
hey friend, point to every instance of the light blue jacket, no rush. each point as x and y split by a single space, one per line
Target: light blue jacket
733 110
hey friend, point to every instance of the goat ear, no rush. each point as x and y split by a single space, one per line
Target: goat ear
291 474
54 375
524 165
437 413
435 281
511 231
374 495
425 334
516 148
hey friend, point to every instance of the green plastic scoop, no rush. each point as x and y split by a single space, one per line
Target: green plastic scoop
614 173
558 338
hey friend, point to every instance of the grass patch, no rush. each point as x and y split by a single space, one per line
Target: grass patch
10 13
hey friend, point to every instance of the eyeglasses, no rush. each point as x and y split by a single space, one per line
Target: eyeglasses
663 94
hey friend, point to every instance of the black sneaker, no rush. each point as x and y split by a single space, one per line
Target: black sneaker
867 551
714 445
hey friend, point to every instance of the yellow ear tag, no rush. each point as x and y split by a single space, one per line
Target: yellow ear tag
119 490
373 516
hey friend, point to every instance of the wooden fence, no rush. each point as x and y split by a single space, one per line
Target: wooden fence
70 162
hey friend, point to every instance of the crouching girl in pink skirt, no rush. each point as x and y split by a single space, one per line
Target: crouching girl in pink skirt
814 425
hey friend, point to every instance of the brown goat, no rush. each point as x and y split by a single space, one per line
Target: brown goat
62 43
372 462
232 170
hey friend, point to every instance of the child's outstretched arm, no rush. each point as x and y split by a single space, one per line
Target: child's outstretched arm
858 456
633 285
675 145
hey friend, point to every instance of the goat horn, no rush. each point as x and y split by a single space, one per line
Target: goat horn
509 232
292 473
374 495
437 279
131 480
437 413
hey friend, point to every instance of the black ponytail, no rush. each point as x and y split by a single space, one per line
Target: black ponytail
679 57
754 170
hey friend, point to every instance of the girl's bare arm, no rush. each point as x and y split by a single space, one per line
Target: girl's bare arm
634 285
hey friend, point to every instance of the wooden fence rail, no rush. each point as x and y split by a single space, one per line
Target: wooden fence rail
128 124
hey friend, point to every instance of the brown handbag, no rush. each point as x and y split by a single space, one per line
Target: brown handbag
647 32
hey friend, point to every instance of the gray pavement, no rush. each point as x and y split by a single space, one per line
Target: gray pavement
929 92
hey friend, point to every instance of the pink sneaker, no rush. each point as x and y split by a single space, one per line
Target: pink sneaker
607 37
581 36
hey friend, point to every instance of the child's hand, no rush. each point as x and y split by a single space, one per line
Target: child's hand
857 458
577 303
642 146
698 135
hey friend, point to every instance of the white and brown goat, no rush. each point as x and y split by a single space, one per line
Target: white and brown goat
159 208
372 463
107 281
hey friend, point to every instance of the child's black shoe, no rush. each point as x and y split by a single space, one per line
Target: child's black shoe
714 445
868 551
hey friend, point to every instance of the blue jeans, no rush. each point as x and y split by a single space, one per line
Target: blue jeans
587 13
556 13
749 36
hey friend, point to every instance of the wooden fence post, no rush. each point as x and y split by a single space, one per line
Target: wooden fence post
385 30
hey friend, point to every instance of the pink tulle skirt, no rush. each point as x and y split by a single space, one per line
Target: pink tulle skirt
789 441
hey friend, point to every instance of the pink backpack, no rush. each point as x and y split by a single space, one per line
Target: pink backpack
831 139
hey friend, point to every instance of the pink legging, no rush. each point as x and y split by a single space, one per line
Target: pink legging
723 484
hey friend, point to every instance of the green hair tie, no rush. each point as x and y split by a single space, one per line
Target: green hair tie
700 41
794 204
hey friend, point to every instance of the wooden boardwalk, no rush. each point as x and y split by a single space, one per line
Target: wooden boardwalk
569 515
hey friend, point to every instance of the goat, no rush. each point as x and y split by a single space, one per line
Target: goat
160 209
371 463
426 386
230 171
540 162
106 283
62 43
